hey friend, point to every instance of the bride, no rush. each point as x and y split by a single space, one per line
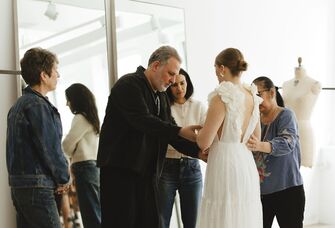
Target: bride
231 196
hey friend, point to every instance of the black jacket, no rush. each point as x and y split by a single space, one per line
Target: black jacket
132 136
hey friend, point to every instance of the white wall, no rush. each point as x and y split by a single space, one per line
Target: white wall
271 34
7 98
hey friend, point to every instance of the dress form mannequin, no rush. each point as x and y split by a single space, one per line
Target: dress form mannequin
300 94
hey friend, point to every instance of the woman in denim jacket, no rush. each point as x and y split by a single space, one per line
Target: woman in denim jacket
181 172
278 160
81 145
36 164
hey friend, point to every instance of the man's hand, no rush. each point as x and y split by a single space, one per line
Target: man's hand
189 132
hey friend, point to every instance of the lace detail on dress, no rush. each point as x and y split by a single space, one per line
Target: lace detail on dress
257 100
234 100
231 168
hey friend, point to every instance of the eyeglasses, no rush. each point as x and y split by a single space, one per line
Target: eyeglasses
260 92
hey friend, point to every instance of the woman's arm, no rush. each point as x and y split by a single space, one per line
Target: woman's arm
215 116
286 136
282 141
79 127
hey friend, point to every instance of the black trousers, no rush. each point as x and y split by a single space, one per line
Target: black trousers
288 206
127 199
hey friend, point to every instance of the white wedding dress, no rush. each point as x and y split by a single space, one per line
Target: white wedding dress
231 197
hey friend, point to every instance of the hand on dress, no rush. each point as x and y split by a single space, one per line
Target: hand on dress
203 155
254 144
190 132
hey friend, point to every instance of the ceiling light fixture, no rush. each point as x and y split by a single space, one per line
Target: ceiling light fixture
51 11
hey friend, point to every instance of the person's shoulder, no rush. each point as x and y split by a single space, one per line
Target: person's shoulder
252 87
133 77
127 81
287 112
224 92
127 78
28 100
316 87
81 120
79 117
225 88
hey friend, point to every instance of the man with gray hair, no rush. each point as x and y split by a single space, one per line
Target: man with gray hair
134 136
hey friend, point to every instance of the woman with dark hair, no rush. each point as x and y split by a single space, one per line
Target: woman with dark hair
278 159
231 196
181 172
81 144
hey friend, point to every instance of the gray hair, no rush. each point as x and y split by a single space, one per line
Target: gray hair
163 54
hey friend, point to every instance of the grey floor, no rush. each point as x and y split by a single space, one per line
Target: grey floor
320 226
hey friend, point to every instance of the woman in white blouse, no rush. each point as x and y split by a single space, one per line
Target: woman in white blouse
81 144
180 172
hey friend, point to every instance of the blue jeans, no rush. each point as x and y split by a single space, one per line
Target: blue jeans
87 180
35 208
185 176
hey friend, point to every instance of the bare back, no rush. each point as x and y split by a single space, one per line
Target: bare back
241 112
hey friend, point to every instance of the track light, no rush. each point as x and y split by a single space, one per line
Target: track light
163 37
155 25
51 11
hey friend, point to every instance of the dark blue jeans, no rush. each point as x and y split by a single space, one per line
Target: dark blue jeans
185 176
35 208
87 180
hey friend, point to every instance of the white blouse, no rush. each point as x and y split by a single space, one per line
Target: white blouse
192 112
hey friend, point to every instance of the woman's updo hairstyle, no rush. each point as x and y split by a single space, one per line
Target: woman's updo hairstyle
233 59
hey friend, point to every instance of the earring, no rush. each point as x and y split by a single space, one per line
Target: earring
221 75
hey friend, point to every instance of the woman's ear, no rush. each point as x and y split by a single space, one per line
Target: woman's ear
273 92
223 70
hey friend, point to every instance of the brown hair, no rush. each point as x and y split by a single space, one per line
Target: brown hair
34 61
233 59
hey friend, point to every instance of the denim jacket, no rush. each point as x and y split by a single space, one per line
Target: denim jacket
33 151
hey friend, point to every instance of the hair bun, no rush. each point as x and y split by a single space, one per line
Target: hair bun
242 65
